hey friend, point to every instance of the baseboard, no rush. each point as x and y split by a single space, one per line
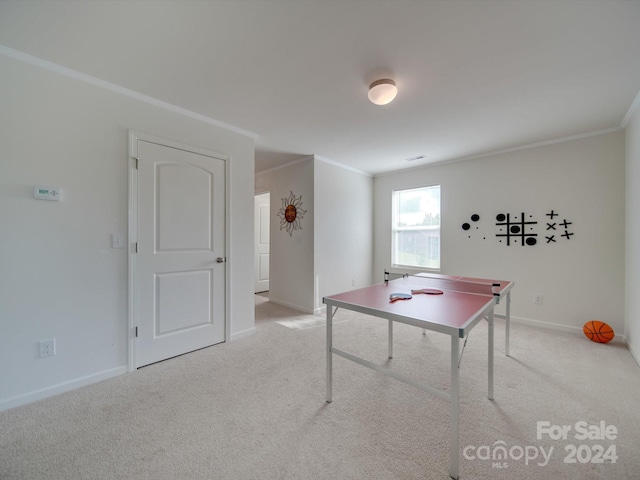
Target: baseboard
290 305
634 354
61 388
242 334
556 327
541 324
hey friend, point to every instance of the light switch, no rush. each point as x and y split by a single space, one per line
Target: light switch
117 240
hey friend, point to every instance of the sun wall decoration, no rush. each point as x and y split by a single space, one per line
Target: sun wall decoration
291 213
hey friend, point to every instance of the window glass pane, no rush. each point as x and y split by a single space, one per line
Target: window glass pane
416 227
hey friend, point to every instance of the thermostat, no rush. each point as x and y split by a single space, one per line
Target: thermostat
46 193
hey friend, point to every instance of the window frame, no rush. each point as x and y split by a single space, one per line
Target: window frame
396 229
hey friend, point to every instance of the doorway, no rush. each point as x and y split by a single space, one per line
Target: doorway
177 263
262 217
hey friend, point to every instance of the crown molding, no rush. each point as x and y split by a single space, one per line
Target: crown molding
632 109
507 150
112 87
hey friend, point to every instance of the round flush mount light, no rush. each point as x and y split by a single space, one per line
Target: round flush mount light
382 91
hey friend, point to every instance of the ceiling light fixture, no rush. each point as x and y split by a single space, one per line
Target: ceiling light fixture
382 91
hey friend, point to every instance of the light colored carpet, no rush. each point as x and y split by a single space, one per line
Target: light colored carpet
255 409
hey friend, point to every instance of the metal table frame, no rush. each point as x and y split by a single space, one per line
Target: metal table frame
456 335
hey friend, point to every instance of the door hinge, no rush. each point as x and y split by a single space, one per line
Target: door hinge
136 332
137 160
136 247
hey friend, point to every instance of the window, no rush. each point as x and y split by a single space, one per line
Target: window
416 227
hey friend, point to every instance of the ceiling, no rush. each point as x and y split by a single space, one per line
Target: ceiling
474 77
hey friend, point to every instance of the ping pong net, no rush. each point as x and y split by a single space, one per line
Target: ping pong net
447 283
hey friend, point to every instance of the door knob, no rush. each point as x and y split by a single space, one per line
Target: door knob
219 260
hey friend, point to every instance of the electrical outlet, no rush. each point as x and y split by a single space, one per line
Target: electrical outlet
537 298
48 348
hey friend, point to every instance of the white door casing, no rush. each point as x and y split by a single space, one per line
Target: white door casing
179 226
261 243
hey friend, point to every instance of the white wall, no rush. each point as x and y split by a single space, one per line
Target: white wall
343 226
291 277
632 314
582 180
333 248
59 276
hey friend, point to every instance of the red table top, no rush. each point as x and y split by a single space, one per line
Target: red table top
454 312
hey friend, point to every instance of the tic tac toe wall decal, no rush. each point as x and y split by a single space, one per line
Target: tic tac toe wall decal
522 229
291 213
551 228
516 229
474 218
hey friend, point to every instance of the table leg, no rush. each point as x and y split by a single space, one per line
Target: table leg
455 407
490 354
329 354
390 339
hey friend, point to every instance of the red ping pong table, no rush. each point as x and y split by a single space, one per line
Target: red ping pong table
463 303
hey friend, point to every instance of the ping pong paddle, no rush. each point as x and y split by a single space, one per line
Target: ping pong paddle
428 291
399 296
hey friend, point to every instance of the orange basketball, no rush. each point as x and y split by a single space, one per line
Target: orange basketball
598 331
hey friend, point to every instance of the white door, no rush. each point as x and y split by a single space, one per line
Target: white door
261 232
180 252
